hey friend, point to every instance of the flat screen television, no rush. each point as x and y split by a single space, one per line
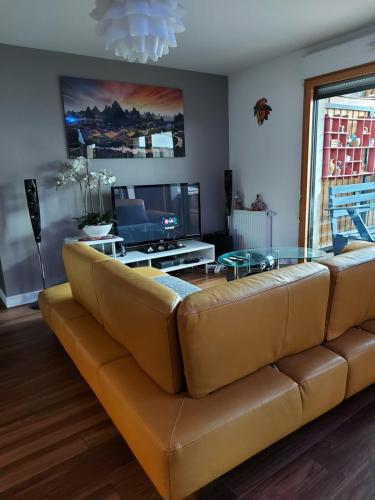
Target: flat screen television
158 212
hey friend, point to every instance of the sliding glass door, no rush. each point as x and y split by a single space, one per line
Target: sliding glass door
340 203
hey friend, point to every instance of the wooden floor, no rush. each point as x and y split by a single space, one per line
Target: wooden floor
56 441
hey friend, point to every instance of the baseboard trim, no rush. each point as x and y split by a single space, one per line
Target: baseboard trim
18 300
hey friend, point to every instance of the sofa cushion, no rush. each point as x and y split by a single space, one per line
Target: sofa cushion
141 315
84 339
358 348
184 443
93 347
229 331
57 307
59 294
369 326
78 261
352 290
356 245
321 376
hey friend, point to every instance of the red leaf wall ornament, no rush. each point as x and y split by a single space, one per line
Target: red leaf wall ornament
262 110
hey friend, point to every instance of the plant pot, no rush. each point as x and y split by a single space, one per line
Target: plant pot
97 231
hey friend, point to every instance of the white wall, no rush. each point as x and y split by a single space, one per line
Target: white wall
267 159
341 56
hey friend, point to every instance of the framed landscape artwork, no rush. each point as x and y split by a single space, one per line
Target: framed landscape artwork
122 120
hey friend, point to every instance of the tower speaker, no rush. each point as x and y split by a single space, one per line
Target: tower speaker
31 190
222 240
32 199
228 186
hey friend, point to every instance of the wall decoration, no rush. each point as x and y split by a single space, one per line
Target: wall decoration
262 110
122 120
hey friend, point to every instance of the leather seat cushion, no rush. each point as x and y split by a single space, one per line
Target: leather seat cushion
92 348
176 437
321 376
358 348
87 343
141 315
356 245
352 290
58 306
79 260
369 326
232 330
52 296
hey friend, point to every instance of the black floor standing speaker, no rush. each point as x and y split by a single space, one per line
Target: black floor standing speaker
31 190
228 186
222 240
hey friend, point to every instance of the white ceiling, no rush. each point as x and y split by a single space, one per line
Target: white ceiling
222 36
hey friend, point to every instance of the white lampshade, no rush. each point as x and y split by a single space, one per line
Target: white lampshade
139 29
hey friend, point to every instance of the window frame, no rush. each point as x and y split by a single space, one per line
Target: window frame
307 143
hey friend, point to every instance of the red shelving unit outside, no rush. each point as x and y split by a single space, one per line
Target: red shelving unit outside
341 157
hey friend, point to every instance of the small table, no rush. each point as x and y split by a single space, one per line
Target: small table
82 239
267 258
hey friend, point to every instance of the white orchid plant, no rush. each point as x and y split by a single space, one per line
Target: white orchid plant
91 185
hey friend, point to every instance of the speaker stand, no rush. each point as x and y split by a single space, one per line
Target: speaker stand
41 265
35 305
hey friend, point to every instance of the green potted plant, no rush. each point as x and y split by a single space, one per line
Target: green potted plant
95 222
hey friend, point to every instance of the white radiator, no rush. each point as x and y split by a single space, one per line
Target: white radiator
251 229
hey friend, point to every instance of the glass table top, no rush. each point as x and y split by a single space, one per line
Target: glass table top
257 256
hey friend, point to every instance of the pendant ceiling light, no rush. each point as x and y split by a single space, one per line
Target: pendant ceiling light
139 29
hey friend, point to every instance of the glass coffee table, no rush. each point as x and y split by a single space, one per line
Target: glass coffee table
267 258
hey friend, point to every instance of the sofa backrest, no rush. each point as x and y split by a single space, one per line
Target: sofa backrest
78 261
141 315
352 290
356 245
229 331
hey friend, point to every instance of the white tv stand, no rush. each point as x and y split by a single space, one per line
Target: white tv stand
192 248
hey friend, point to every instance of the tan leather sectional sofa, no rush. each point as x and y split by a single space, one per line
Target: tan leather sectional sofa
198 386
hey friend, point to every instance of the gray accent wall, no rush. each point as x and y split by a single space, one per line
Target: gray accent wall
32 142
2 282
